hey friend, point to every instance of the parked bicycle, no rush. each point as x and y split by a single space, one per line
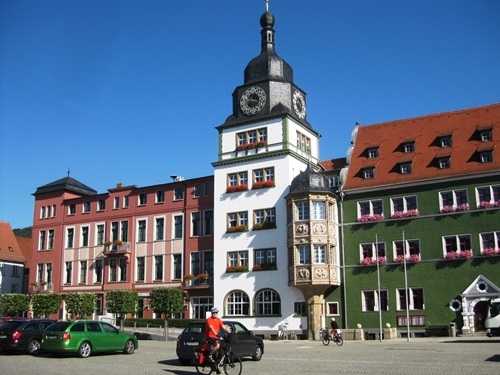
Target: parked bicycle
282 331
224 359
326 337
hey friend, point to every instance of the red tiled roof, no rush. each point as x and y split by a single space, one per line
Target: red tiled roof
463 126
333 164
10 250
25 244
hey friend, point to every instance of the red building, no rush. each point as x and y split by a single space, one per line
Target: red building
135 238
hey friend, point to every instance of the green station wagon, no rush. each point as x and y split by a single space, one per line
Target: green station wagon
83 337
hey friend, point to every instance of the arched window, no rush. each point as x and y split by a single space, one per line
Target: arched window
237 303
267 302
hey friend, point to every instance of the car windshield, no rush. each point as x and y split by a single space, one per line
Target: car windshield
194 328
58 326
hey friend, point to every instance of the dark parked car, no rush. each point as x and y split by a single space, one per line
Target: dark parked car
83 337
243 341
23 335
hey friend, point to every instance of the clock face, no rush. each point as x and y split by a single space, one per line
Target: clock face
299 104
252 100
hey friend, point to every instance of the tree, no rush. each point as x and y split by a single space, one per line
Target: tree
167 301
45 304
23 232
81 304
14 304
122 302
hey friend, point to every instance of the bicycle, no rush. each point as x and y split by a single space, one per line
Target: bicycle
282 333
324 334
224 359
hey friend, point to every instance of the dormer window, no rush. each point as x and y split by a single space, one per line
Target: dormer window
409 147
486 156
444 163
445 141
486 135
405 167
368 173
373 152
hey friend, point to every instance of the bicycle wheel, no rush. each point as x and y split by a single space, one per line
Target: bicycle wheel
232 364
326 339
339 340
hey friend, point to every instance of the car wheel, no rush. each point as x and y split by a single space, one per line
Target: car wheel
129 347
34 347
257 356
84 350
184 361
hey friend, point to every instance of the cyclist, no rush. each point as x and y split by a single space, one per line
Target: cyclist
334 326
213 327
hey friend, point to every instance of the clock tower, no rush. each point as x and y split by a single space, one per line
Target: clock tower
263 145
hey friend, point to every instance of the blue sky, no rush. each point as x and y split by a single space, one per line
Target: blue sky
131 91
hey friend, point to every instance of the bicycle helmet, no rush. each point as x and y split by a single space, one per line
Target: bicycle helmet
333 319
214 310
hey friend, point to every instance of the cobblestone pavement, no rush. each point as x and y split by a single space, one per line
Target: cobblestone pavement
476 355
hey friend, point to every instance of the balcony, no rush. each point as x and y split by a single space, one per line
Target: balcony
117 249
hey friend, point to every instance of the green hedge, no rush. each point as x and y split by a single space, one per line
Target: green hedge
172 323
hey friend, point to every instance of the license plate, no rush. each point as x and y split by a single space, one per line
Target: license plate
51 337
3 337
191 343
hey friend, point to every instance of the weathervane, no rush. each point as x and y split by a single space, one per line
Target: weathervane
267 6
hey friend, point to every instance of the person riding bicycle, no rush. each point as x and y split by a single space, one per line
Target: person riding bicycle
213 326
334 327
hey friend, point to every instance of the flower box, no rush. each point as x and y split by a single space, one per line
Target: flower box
107 243
202 277
264 267
371 218
266 225
413 258
236 188
118 242
404 214
263 184
463 254
489 251
487 204
251 145
459 208
232 269
237 228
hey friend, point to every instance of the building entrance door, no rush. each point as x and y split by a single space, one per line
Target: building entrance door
480 311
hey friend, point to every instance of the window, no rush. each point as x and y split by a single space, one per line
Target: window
332 308
124 230
114 231
70 233
83 272
50 244
98 270
319 253
42 212
158 271
267 302
140 268
143 199
237 258
370 208
239 179
39 276
237 219
71 209
125 201
195 224
415 321
41 243
334 181
373 301
200 306
85 236
178 193
304 254
318 210
263 178
238 303
113 269
445 141
372 250
122 264
141 234
456 244
373 152
303 142
208 188
160 196
404 206
490 242
68 272
486 156
100 234
444 163
303 210
264 219
208 222
488 195
368 173
265 258
256 137
405 167
410 247
86 207
486 135
415 299
101 205
454 200
160 228
197 190
408 147
177 266
116 203
300 308
178 224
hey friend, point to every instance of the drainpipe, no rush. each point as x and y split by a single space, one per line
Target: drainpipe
342 194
